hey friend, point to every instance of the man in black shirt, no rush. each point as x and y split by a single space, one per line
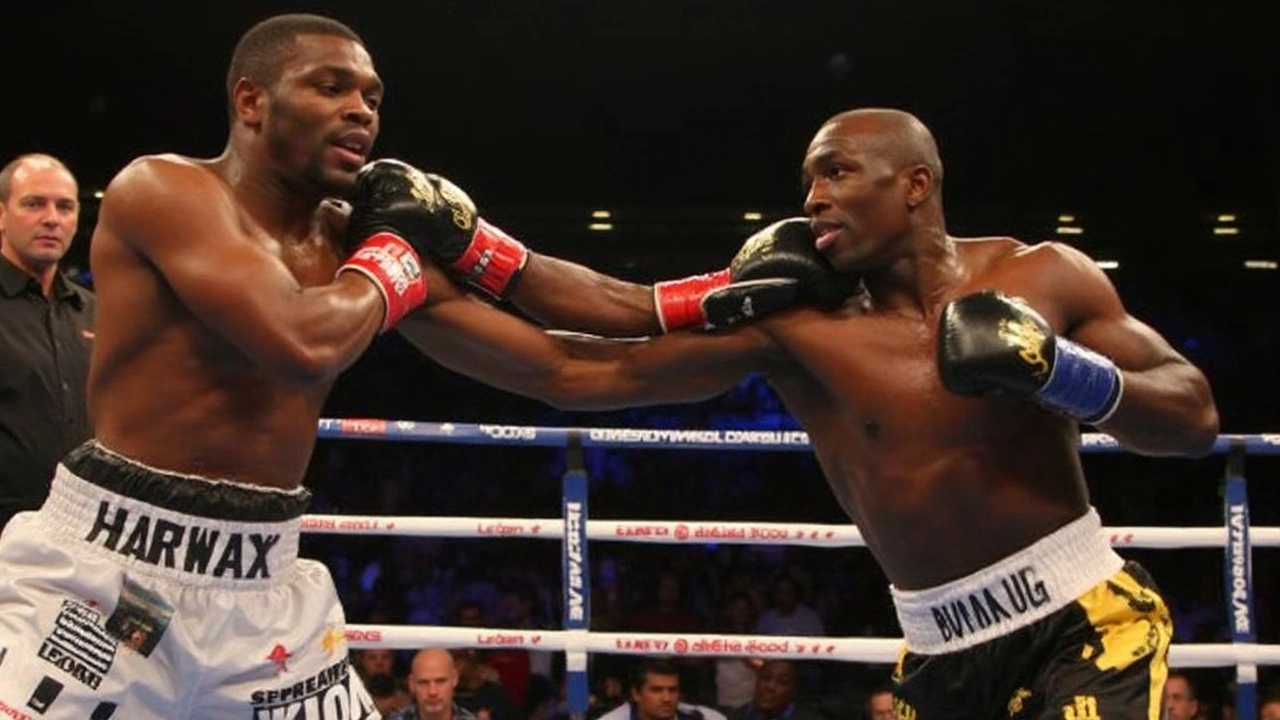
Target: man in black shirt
46 330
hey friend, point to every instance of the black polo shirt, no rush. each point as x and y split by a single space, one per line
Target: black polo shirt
44 365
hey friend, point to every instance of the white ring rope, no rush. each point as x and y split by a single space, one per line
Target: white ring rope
576 643
698 532
867 650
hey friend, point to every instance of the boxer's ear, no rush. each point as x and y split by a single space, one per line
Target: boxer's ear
248 102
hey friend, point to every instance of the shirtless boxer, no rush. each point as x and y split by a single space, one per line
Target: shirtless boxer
943 403
161 579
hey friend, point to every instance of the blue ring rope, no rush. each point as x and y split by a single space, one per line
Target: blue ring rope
666 439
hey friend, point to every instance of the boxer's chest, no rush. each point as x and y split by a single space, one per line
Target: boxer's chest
313 262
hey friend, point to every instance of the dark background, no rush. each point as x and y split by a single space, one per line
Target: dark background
1153 108
1145 120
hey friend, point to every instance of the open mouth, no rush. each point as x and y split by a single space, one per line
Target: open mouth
825 233
349 155
353 148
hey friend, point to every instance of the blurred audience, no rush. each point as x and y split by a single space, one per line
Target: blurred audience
775 696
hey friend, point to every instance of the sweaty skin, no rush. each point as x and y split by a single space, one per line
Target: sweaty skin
221 327
940 485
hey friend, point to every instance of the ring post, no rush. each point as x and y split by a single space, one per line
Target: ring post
1238 572
576 578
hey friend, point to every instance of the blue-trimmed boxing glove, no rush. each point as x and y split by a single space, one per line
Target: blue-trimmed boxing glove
988 342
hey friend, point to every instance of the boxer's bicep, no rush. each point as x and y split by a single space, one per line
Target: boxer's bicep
1166 406
1099 320
182 222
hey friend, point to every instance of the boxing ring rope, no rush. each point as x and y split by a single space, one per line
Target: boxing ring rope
675 532
574 529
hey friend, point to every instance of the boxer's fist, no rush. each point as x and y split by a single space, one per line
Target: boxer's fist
393 208
440 220
392 196
776 267
786 249
988 342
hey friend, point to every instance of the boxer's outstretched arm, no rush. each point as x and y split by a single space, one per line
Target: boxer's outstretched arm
581 373
566 295
778 266
1167 407
180 218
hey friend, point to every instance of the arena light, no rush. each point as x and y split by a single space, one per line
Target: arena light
1226 218
1066 218
1069 230
1108 264
601 214
600 226
751 215
1260 264
98 194
1226 231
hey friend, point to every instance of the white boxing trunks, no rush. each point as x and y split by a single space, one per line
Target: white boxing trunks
1010 594
137 593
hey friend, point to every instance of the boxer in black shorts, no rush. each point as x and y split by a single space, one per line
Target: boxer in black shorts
943 400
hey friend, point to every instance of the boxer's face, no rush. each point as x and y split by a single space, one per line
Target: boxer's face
39 219
856 196
322 114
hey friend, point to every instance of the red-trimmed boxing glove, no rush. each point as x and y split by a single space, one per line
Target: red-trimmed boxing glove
776 268
441 221
395 269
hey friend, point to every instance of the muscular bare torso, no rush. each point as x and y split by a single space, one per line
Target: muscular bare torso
940 485
167 392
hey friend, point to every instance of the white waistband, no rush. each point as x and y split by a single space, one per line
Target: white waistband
1012 593
156 541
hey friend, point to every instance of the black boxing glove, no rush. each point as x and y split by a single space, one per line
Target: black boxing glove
777 267
989 342
392 209
443 223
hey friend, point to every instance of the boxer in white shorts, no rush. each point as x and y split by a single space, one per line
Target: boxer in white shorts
231 294
134 593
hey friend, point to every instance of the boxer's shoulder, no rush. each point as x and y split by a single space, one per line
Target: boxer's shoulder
989 250
165 176
1010 264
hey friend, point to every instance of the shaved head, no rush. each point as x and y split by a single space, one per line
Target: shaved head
432 660
899 135
28 162
873 179
432 680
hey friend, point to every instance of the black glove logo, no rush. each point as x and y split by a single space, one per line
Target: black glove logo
460 204
755 246
419 187
441 192
1029 342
